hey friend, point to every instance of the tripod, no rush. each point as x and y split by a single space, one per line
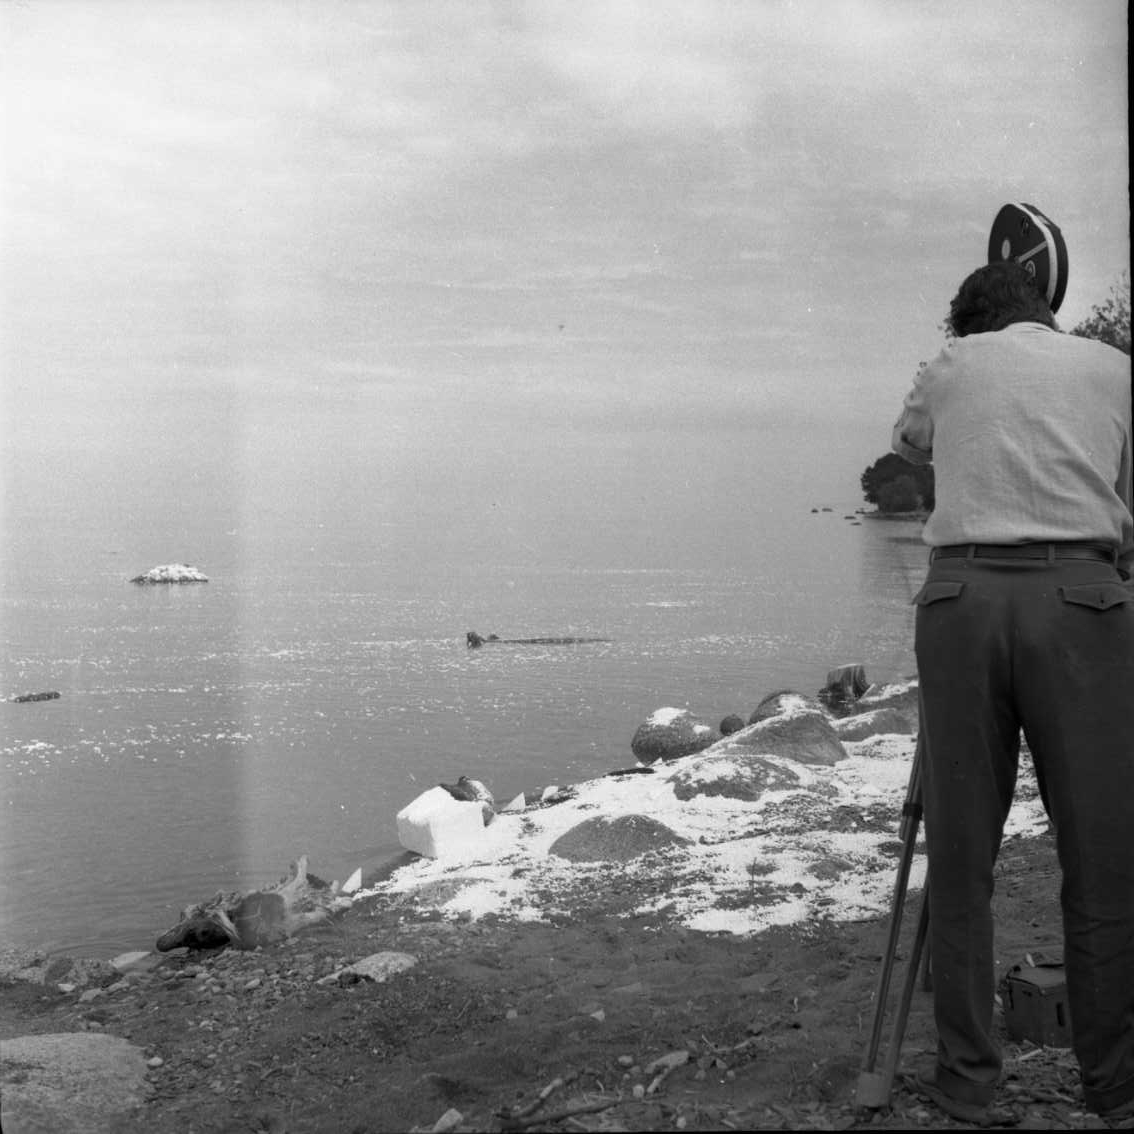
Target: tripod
874 1084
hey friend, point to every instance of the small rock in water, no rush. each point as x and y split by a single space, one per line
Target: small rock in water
172 573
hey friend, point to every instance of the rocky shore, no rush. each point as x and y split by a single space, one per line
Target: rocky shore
694 945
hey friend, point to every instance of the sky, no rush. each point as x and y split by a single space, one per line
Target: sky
536 271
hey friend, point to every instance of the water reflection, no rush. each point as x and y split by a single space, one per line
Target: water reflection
208 739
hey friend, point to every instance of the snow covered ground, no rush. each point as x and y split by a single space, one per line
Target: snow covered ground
825 848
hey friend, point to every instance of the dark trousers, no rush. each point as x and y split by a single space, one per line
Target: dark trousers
1046 647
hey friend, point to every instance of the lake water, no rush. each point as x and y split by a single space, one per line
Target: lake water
206 735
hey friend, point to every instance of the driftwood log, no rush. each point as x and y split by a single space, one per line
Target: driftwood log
262 917
475 640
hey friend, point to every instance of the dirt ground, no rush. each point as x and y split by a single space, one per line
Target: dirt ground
506 1026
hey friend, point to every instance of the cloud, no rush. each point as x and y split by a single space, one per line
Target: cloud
267 181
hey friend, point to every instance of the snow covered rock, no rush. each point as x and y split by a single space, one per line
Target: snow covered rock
791 726
738 775
669 734
901 697
876 722
171 573
786 703
615 840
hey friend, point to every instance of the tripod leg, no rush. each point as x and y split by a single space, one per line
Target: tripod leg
898 1034
874 1086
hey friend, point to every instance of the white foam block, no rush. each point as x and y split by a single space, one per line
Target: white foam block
438 826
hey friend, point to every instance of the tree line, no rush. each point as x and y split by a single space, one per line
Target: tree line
892 484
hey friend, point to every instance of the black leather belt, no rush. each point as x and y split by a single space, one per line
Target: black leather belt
1100 552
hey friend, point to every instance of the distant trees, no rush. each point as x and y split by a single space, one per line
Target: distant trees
1109 322
892 484
899 495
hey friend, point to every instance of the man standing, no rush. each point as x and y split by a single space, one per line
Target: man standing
1026 621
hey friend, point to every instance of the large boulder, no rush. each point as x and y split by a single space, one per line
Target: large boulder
784 703
615 840
71 1083
798 731
888 719
734 775
902 697
669 734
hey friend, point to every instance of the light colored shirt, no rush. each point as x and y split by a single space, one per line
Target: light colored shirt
1029 433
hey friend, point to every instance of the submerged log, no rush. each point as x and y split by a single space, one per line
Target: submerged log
474 641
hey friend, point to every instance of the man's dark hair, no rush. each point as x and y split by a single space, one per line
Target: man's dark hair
994 297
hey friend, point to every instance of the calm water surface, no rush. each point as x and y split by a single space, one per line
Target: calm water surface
206 735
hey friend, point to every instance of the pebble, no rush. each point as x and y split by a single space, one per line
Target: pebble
450 1120
154 1062
639 1091
625 1061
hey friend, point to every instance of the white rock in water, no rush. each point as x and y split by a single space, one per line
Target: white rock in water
438 826
172 573
353 882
